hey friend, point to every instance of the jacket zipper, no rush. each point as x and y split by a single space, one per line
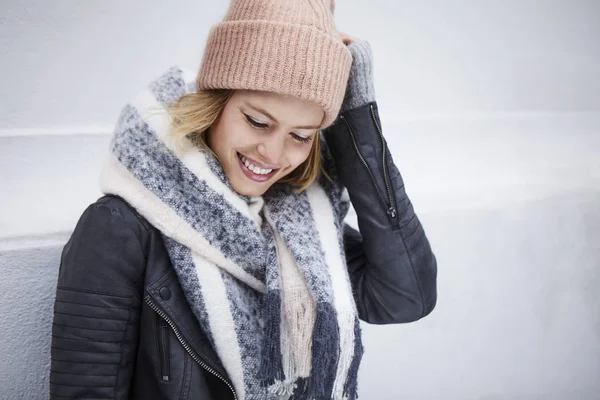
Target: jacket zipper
187 348
389 208
163 344
386 176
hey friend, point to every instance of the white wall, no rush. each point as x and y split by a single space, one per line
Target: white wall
492 112
69 64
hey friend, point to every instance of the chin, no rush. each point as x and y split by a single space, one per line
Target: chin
247 190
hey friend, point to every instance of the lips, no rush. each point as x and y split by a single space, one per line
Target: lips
257 177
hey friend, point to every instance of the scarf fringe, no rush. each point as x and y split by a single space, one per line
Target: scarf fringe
301 388
325 353
283 388
271 367
351 385
346 356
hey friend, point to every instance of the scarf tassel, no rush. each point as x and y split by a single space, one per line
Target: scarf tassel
325 354
350 386
271 367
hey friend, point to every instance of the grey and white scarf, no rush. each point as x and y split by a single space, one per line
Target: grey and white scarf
265 276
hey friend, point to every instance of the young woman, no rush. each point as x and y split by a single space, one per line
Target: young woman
218 265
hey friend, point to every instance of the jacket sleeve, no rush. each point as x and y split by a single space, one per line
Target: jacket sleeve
97 306
390 262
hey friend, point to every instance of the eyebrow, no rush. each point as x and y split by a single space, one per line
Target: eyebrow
260 110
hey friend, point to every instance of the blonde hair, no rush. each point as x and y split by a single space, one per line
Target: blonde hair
194 113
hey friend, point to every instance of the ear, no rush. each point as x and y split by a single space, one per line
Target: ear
332 5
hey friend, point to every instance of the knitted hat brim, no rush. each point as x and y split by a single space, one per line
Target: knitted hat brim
295 60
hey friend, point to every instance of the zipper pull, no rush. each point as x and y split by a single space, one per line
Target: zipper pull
392 212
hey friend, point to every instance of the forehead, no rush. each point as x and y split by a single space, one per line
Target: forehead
287 110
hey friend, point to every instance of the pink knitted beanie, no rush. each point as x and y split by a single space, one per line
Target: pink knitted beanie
290 47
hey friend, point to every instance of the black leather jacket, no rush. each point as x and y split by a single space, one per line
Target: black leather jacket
123 329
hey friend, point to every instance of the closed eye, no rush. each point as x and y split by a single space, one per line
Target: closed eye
259 125
301 139
254 123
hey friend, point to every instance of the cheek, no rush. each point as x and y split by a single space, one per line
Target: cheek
233 135
298 154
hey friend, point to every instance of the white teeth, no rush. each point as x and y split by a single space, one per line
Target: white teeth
253 168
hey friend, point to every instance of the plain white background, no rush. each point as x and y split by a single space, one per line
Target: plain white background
492 113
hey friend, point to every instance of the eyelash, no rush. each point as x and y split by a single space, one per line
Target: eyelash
258 125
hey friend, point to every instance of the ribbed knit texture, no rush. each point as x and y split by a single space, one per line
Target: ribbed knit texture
290 47
361 87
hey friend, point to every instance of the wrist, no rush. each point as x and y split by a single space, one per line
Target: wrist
360 89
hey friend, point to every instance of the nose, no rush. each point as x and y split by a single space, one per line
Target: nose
271 148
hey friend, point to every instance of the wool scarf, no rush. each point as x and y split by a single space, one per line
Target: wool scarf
265 276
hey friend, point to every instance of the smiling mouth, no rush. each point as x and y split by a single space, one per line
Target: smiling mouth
254 172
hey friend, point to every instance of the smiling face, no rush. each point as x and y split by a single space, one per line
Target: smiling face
260 137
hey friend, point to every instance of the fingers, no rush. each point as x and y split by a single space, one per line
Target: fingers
347 39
